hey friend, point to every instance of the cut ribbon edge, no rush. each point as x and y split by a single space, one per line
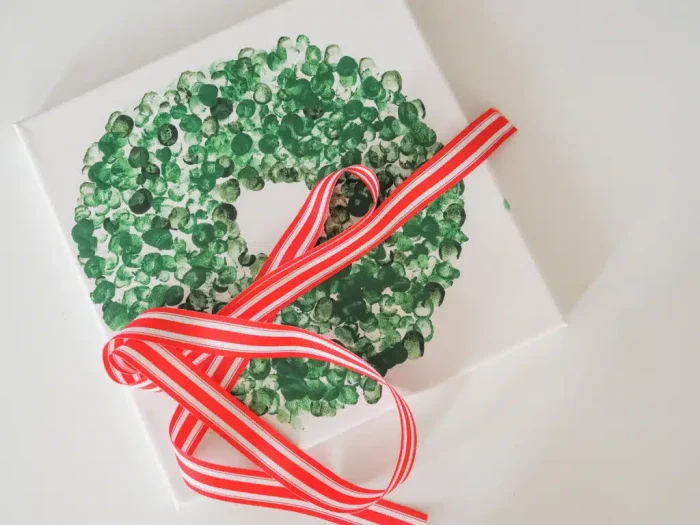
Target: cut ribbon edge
197 358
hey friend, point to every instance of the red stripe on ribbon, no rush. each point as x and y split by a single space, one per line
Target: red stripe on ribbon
196 358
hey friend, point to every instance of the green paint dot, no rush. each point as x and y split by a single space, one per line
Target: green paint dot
408 114
346 66
159 238
268 143
455 213
262 94
391 81
116 315
222 109
208 94
371 87
230 190
178 111
138 157
245 108
103 292
191 123
95 267
122 126
109 144
174 295
140 202
195 277
167 135
241 144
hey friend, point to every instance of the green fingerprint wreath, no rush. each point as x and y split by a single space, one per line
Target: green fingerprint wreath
156 223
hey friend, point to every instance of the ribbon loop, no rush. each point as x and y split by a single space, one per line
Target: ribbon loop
196 358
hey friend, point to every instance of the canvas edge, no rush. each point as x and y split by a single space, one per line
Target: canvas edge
29 157
563 314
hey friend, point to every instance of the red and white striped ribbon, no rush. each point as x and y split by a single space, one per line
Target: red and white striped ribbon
196 358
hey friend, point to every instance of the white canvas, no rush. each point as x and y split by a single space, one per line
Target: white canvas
499 302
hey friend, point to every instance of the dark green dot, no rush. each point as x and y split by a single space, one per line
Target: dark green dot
198 300
159 238
164 155
241 144
293 388
208 94
212 169
122 126
231 189
99 172
126 244
195 154
293 122
395 355
414 343
222 109
245 108
430 228
229 210
254 184
191 123
450 251
259 368
174 295
103 292
368 114
353 109
359 203
178 111
380 365
346 66
315 389
156 298
455 214
195 277
270 124
172 172
109 144
351 158
408 113
152 264
116 315
226 164
82 231
246 259
140 201
167 135
387 132
160 222
202 235
268 143
371 87
349 395
95 267
423 134
138 157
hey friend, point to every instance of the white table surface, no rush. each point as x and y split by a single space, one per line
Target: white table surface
597 424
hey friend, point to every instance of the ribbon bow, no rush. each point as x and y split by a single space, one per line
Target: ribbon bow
196 358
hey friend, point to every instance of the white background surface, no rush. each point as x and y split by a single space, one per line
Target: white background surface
597 424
